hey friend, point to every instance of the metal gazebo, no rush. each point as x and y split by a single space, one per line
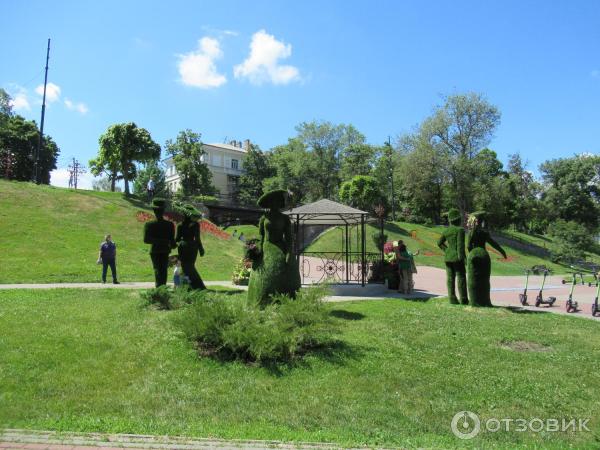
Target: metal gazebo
350 266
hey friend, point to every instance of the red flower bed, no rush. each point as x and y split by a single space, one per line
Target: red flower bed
172 216
211 228
143 216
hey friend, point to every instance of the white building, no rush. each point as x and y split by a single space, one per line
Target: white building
225 162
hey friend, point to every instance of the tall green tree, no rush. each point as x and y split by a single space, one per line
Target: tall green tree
572 189
357 159
121 147
18 143
325 143
461 128
187 152
292 172
257 168
423 175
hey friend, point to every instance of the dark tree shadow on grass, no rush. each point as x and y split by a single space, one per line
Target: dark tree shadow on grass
346 315
392 227
519 310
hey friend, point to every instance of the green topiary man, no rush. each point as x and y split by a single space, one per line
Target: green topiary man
275 268
452 242
160 234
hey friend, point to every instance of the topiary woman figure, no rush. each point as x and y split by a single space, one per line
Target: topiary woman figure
189 244
478 261
275 268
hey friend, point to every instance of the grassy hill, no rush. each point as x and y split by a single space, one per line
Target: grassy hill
424 238
50 234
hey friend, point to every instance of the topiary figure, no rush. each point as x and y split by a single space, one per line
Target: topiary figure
160 235
452 242
276 270
189 244
478 262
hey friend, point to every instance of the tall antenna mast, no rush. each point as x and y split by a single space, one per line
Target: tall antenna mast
41 138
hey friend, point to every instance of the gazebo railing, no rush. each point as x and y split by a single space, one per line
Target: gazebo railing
336 267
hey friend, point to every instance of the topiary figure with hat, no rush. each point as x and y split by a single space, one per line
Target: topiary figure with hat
160 234
478 263
452 242
275 269
189 244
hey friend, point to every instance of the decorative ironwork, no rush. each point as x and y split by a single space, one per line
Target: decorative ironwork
331 267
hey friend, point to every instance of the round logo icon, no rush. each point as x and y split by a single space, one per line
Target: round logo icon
465 425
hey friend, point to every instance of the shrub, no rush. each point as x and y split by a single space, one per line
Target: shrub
227 327
570 241
160 296
166 298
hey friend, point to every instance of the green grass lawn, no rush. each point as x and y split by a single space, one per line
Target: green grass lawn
424 238
93 360
51 235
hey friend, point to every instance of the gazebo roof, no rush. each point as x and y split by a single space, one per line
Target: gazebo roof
326 212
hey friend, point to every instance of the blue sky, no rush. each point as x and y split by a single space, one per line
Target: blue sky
254 70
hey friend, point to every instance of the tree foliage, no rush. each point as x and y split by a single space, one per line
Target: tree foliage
459 130
291 170
362 192
256 170
572 189
187 152
18 144
570 241
121 147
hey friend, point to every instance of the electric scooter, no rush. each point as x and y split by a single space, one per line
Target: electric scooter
539 300
523 296
595 307
571 305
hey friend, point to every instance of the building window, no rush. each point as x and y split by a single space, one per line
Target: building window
234 164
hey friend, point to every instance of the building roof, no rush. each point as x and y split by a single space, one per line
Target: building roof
326 212
228 147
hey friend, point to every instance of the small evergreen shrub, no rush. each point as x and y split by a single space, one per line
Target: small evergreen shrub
165 298
160 297
229 328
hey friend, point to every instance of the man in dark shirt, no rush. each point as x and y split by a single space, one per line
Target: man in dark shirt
108 257
160 234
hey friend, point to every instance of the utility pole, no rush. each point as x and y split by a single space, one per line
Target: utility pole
392 179
41 138
75 169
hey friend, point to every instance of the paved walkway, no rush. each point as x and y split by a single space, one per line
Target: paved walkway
42 440
429 282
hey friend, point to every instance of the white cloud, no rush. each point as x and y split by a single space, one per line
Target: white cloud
60 178
19 97
262 65
52 91
20 102
79 107
198 69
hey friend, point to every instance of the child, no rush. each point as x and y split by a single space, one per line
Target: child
177 273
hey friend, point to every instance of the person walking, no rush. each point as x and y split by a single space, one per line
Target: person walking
150 189
107 256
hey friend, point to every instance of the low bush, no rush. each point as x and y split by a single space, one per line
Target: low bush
165 298
227 327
